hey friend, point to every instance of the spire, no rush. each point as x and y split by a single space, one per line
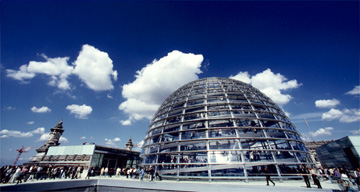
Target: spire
129 145
54 137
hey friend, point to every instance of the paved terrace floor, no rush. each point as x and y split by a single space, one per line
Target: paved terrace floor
123 184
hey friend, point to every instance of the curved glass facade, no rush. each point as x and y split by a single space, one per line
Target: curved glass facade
220 128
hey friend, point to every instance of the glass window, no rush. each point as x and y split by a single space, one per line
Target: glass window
221 123
224 144
222 133
194 116
171 128
191 110
273 124
193 134
169 147
233 171
225 157
217 107
217 99
193 157
193 146
171 137
197 125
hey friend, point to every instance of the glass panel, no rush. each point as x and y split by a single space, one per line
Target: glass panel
218 99
231 171
166 158
193 146
193 157
169 147
190 110
217 107
221 123
273 124
222 133
224 144
193 135
197 125
171 136
194 116
149 159
216 114
172 128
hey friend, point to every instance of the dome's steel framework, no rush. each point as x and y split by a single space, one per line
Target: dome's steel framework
220 128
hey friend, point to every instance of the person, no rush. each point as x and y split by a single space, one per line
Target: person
89 173
314 177
118 170
102 172
142 173
357 176
267 174
151 172
304 173
157 175
106 171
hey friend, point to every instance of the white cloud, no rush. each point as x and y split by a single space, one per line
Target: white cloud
92 66
45 137
57 68
42 109
30 122
126 122
329 103
111 142
80 111
10 108
355 91
156 81
322 132
95 68
83 138
18 134
344 116
117 139
270 84
22 74
355 132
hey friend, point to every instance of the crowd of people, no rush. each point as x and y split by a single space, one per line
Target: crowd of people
19 174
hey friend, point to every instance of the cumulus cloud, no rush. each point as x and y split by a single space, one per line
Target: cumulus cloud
10 108
56 68
355 91
344 116
92 66
112 142
329 103
42 109
156 81
30 122
355 132
270 84
95 68
80 111
18 134
45 137
322 132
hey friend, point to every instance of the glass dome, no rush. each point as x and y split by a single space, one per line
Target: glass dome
221 128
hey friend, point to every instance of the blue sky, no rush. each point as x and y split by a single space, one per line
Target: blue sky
105 67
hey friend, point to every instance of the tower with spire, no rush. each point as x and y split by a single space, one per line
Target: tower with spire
129 145
54 138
